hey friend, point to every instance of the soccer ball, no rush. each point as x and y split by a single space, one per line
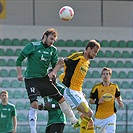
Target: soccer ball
66 13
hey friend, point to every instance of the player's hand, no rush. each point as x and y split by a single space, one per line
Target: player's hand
48 105
60 62
20 78
101 100
14 131
121 105
51 75
40 107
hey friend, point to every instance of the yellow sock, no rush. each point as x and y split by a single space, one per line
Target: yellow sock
82 130
83 125
86 125
90 130
90 127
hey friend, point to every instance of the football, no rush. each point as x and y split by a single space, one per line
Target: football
66 13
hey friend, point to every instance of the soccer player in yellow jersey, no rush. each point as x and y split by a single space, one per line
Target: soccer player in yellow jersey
103 95
75 69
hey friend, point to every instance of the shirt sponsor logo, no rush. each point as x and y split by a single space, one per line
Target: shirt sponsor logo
107 96
84 70
3 116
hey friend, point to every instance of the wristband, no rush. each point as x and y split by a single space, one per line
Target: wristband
53 105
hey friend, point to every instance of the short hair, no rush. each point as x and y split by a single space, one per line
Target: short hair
107 69
3 91
50 31
92 44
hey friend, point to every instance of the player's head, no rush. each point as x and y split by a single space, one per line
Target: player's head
92 48
4 95
49 36
106 74
54 77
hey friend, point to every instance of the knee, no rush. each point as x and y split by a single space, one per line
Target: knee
87 112
61 100
90 113
34 104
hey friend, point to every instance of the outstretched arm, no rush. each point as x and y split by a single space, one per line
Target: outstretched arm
58 66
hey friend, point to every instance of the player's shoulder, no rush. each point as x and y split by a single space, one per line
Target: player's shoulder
11 104
96 86
76 55
114 84
36 43
53 47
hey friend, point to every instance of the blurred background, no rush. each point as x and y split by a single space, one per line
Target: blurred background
107 21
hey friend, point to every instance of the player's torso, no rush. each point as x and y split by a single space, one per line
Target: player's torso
107 108
39 61
5 118
75 75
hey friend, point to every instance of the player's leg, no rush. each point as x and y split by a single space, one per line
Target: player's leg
47 88
87 124
32 94
77 100
111 125
100 125
57 128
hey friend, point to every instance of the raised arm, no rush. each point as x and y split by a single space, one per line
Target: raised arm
58 66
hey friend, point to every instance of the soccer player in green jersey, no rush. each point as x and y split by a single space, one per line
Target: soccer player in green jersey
56 118
39 56
8 120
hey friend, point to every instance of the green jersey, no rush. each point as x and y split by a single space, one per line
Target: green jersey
55 115
39 59
6 114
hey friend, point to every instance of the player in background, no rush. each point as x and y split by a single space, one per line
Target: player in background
56 118
8 119
39 56
75 70
103 95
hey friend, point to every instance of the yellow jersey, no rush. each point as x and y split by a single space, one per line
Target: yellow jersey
109 93
75 70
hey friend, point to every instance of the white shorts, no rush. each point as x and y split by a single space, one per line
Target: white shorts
107 125
74 98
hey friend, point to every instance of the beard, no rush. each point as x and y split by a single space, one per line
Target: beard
45 44
89 56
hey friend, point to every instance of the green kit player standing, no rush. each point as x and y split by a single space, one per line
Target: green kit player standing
8 120
56 118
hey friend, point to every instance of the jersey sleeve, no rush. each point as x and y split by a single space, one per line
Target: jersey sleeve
94 93
14 112
117 93
28 49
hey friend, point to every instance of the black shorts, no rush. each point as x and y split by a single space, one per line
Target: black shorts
43 86
55 128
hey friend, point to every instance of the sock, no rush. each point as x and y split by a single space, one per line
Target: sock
90 127
33 119
83 125
68 112
86 125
